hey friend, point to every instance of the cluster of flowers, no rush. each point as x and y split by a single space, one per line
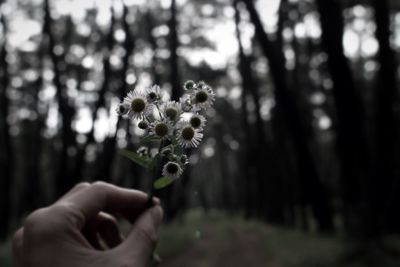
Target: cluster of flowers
178 125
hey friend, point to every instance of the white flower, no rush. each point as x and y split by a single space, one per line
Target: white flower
161 128
203 96
197 121
187 136
139 107
171 110
153 94
172 169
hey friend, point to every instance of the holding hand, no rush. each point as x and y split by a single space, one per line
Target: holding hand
80 230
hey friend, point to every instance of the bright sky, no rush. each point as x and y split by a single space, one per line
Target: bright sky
223 34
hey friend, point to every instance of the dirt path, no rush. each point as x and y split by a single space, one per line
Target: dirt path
238 247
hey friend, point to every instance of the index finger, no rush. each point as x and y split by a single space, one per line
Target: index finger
100 196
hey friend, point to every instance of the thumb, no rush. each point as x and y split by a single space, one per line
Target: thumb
142 239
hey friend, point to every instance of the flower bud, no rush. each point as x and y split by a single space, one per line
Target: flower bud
189 85
143 125
166 151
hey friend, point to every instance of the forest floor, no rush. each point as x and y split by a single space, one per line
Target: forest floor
214 239
213 245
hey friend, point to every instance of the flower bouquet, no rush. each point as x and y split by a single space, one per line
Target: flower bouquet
170 128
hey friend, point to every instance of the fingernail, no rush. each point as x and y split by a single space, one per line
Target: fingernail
156 200
157 214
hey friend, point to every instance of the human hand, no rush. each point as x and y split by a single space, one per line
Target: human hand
74 230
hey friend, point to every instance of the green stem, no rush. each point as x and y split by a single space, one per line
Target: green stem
155 172
159 112
151 192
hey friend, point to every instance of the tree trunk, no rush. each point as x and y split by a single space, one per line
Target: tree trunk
173 48
351 137
266 186
6 154
63 178
316 193
153 44
107 156
34 196
246 158
384 188
102 173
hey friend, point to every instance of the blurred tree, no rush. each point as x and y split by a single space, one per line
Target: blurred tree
312 188
248 161
383 189
351 138
153 43
103 172
175 79
106 157
263 193
33 196
64 181
6 153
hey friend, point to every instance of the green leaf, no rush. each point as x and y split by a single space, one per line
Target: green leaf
155 161
142 161
163 182
173 140
177 148
150 138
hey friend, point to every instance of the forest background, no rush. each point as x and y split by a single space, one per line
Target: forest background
304 133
